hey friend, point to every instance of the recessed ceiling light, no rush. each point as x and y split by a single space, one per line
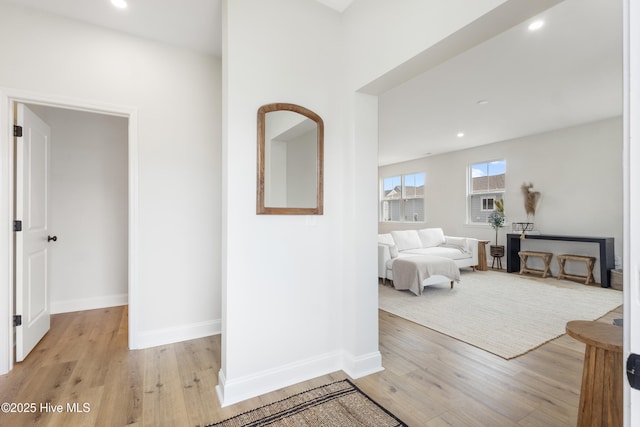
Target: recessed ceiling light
536 25
120 4
460 134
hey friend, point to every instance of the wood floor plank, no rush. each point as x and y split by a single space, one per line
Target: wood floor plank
405 395
43 389
198 375
430 379
78 408
163 397
472 414
199 400
123 388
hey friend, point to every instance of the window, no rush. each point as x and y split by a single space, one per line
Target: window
486 185
487 203
403 198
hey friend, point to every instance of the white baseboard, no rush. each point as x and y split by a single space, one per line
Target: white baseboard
234 391
88 303
361 366
239 389
146 339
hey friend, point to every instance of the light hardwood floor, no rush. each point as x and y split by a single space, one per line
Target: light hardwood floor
429 379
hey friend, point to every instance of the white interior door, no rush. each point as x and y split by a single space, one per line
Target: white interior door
32 244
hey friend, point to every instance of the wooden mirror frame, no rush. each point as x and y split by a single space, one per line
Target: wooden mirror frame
266 210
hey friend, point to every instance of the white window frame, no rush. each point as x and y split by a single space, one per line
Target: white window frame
483 207
384 204
495 194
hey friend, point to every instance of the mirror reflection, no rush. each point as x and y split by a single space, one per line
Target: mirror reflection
289 160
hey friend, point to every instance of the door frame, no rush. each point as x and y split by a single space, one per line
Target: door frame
7 97
631 154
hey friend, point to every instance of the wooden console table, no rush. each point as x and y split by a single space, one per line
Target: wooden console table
605 244
601 397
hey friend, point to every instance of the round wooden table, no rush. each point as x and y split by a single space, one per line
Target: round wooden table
602 374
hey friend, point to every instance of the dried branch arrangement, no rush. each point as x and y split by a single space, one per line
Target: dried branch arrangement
531 198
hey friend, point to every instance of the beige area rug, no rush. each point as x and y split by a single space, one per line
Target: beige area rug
504 314
337 404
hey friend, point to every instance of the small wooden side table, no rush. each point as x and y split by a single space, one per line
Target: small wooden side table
601 393
482 255
497 252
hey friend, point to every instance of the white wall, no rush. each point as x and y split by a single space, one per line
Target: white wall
300 291
382 35
88 211
577 170
282 285
389 42
177 96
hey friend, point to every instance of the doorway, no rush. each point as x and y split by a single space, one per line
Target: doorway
88 209
70 297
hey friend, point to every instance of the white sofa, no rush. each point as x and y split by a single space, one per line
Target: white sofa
428 241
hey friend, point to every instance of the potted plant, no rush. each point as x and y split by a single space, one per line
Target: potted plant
496 221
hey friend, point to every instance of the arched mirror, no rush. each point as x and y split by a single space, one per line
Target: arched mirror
290 160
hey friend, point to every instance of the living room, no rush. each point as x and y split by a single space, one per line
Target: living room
568 144
553 118
286 283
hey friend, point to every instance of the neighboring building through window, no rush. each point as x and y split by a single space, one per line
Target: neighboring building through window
487 203
486 185
403 198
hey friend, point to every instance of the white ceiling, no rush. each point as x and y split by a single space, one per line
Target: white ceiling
568 73
191 24
339 5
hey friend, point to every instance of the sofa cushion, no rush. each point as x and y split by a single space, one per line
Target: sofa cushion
443 251
386 239
393 251
406 239
459 242
431 237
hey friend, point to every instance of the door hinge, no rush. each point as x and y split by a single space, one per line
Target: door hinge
17 131
17 320
633 371
17 225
